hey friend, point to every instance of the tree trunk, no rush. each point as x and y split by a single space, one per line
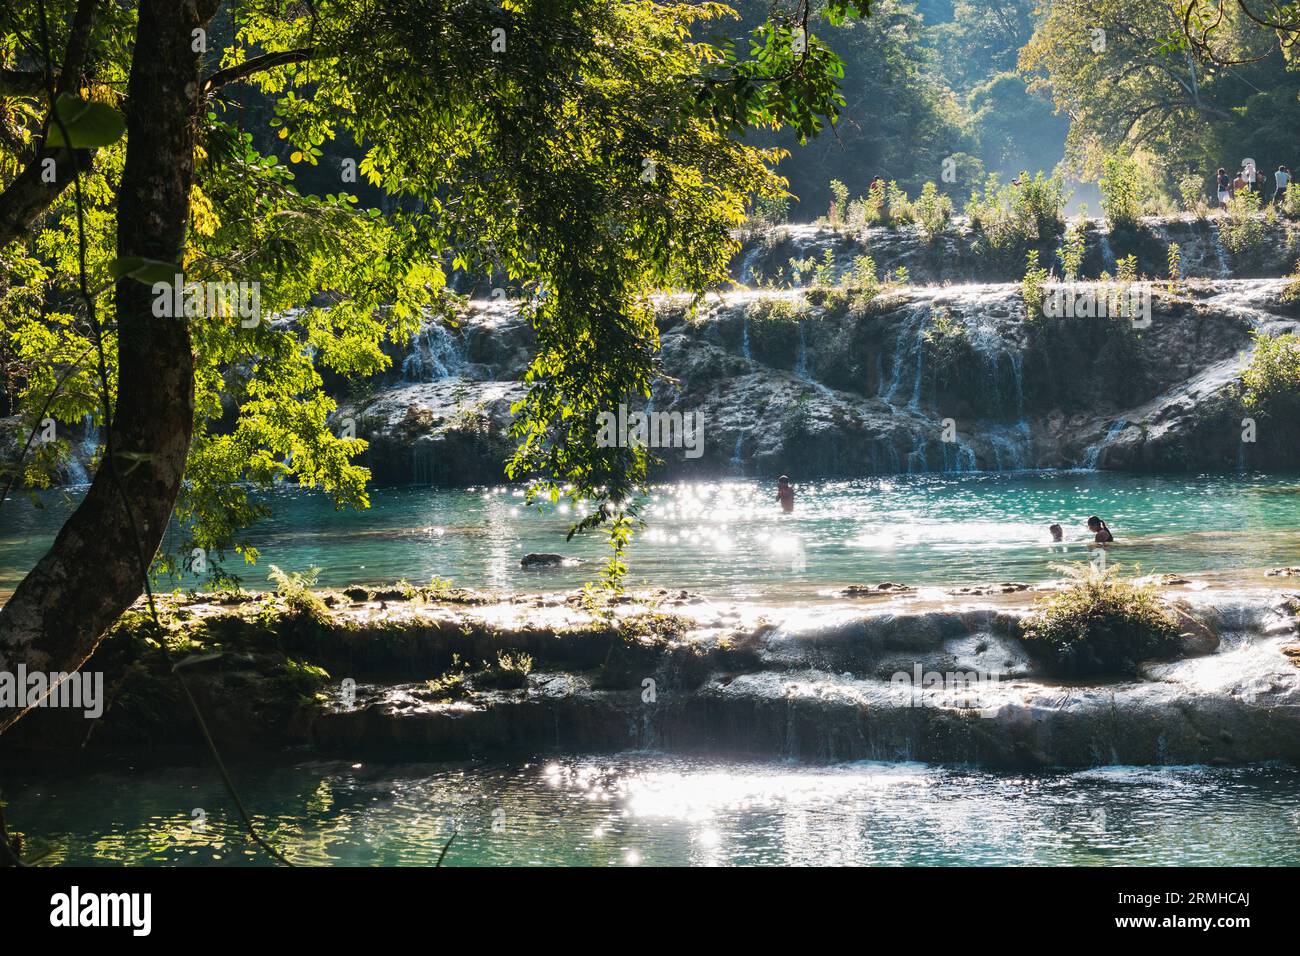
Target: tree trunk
92 574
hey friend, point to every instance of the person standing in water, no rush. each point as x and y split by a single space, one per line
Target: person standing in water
1098 528
1056 532
785 493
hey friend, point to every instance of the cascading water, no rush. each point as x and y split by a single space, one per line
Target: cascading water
909 360
1107 253
1220 253
1093 456
82 452
436 353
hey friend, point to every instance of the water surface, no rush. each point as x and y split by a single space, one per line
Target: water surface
642 808
730 539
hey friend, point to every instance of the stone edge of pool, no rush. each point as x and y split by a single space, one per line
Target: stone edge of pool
406 672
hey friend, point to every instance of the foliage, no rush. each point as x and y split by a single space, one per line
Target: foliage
1174 266
295 587
1032 288
594 163
1072 248
1121 198
839 202
1243 228
1012 218
932 210
948 350
1271 383
510 672
1291 291
1100 625
1126 77
1192 193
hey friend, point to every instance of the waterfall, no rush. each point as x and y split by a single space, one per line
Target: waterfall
1220 253
909 349
82 453
737 463
1010 446
436 353
801 363
1093 455
744 338
958 457
917 455
421 465
747 264
1107 253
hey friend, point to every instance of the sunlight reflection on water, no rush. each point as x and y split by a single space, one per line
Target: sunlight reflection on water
730 539
647 808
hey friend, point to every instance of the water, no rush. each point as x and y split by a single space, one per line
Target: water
650 809
729 539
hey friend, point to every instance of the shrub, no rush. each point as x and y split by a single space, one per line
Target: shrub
839 209
932 210
1100 625
769 212
1291 202
774 329
295 587
1013 218
1242 229
1191 191
948 351
1121 192
1291 291
899 208
1174 259
510 672
1072 248
1271 383
1126 269
1031 287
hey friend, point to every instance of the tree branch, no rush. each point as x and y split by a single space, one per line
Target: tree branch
266 61
32 192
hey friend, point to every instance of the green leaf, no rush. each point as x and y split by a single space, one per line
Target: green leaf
89 125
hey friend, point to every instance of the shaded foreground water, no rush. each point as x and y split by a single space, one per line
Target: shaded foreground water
641 808
729 539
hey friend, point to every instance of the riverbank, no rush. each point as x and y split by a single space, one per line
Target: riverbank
881 674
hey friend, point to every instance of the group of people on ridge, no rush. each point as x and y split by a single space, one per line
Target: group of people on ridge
1250 179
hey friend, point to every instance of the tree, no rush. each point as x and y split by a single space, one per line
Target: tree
582 149
1127 76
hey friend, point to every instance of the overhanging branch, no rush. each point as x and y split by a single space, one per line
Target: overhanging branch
257 64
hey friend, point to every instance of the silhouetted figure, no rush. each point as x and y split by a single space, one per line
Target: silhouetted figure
1098 528
785 493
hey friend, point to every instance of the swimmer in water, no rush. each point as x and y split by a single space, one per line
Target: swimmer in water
1098 528
1056 532
785 494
